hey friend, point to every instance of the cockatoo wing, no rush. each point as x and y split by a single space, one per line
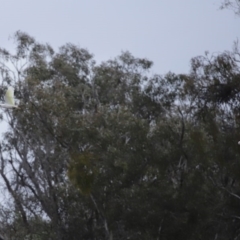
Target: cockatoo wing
9 96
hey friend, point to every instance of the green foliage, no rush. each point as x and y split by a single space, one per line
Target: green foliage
109 152
81 171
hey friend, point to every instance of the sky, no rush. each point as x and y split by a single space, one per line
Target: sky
169 33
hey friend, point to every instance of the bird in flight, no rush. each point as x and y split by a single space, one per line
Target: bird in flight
9 99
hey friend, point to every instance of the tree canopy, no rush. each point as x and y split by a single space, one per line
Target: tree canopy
110 151
231 4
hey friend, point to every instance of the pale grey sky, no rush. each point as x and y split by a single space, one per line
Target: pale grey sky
167 32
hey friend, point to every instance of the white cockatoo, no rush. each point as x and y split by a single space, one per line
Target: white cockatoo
9 99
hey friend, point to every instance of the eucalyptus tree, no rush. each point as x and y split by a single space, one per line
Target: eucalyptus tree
110 151
34 154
